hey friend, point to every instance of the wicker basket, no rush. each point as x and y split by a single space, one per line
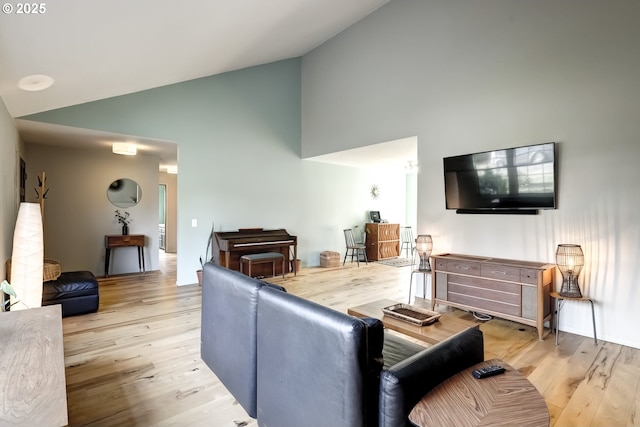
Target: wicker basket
412 314
50 269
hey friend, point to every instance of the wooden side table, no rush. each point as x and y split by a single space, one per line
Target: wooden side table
123 240
560 302
507 399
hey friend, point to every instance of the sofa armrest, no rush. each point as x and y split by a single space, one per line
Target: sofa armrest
404 384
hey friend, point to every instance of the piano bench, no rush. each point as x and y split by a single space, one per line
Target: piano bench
262 258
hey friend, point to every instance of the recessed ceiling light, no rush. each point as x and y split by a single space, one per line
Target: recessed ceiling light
35 82
124 148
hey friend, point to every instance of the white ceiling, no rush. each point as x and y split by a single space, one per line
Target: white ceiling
103 48
399 155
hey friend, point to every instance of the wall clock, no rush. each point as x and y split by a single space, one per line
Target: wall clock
374 192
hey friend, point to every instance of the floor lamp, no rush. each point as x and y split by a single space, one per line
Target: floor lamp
27 257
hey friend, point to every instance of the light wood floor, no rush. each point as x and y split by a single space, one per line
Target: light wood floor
137 361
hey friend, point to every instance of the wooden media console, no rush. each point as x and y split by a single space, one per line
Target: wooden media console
509 289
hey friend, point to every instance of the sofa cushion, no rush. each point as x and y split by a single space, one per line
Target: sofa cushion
396 349
313 364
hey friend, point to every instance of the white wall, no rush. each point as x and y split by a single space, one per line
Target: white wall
77 213
467 76
9 169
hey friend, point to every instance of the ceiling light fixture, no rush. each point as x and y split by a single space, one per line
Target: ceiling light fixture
35 82
124 148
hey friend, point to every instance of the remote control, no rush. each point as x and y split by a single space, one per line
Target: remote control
488 371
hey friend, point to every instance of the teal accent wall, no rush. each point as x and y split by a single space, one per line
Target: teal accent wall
239 164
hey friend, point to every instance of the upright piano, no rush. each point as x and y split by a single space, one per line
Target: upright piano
233 244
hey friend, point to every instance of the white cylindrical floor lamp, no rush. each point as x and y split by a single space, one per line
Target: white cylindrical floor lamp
27 257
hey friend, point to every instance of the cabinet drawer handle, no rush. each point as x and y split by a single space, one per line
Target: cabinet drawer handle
499 272
462 267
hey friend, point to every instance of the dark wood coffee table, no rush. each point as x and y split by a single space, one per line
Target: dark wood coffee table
507 399
447 326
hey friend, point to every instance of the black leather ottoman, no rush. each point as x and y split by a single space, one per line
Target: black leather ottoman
77 291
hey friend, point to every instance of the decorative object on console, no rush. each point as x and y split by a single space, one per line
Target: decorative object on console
424 245
124 219
28 256
570 260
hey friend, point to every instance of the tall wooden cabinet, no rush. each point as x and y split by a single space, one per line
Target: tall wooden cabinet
509 289
382 241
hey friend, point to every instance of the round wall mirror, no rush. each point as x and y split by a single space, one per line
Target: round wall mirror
124 193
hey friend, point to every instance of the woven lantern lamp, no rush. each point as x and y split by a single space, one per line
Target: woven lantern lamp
570 260
424 245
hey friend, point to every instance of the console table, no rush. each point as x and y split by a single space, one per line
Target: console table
123 240
382 241
32 385
509 289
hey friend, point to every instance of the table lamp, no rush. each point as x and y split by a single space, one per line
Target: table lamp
570 260
424 245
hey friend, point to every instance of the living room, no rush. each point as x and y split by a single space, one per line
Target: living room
555 84
462 77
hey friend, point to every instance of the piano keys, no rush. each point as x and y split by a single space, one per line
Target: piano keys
233 244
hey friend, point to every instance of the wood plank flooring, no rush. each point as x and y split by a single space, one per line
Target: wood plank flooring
136 362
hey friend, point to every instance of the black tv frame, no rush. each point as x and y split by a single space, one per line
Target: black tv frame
533 210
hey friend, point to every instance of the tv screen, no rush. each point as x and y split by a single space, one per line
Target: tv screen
521 178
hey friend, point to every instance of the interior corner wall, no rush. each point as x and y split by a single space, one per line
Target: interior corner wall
9 170
77 213
468 76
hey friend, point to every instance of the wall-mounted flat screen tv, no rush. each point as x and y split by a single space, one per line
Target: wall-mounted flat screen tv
513 180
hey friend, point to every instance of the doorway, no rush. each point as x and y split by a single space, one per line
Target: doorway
162 216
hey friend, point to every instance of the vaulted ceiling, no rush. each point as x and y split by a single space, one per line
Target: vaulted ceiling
103 48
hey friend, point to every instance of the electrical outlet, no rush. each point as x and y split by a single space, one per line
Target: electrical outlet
194 223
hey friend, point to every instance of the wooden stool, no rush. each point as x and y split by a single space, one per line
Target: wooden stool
262 258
